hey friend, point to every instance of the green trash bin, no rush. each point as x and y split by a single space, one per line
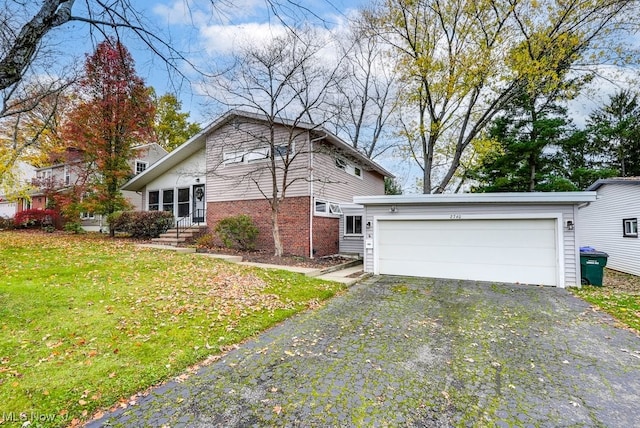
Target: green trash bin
592 265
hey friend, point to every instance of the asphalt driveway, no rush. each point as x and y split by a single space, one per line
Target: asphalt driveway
399 351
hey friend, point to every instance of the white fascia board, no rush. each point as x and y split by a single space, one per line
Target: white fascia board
475 198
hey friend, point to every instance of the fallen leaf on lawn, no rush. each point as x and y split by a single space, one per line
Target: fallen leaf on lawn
112 375
274 389
82 402
277 409
289 353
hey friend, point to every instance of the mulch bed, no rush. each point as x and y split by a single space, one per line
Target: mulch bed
622 281
286 260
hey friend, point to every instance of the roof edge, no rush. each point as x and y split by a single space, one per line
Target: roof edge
490 198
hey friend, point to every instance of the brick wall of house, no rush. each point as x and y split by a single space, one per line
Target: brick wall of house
325 236
294 221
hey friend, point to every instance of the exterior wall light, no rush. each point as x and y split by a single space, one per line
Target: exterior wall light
393 209
570 225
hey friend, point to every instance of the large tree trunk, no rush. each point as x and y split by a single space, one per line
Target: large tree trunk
277 242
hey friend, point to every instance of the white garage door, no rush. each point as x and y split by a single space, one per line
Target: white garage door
509 250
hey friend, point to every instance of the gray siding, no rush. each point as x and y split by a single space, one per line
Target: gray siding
571 261
351 244
334 184
601 225
249 180
238 181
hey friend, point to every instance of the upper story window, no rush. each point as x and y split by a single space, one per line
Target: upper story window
630 227
327 208
141 166
257 154
67 175
348 167
44 174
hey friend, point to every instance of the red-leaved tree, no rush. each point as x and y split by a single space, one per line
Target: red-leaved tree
114 115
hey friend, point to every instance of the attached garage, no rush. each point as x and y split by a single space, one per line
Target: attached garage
524 238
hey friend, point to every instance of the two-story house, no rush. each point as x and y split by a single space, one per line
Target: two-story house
70 171
228 169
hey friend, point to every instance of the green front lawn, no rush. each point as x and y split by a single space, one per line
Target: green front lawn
619 297
86 322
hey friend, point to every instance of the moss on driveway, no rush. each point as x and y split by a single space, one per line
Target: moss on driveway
417 352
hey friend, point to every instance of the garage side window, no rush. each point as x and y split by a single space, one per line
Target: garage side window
353 225
630 227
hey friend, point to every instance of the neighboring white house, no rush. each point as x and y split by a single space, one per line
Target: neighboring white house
527 238
11 204
610 223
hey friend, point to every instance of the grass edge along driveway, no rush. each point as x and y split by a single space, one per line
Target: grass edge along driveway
87 321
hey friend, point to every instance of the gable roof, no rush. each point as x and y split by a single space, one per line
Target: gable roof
198 142
615 180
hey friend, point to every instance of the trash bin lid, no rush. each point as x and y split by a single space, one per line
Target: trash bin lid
586 249
594 253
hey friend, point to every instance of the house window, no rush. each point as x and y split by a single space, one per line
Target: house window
140 166
327 208
257 154
183 202
167 200
282 150
353 225
232 157
154 200
630 227
67 175
87 216
348 168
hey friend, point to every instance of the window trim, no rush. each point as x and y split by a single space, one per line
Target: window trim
141 162
349 168
353 220
331 209
157 206
627 232
258 154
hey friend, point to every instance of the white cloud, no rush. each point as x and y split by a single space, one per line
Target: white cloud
224 39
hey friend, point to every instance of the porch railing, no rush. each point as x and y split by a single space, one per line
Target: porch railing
187 221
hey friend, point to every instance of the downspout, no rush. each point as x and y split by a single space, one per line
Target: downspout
311 179
311 205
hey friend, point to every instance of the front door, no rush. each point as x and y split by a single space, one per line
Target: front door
198 203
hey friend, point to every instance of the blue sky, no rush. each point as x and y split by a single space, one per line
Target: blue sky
207 34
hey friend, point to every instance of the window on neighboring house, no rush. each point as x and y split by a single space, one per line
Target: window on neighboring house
154 200
140 166
327 208
87 216
67 175
167 200
630 227
353 225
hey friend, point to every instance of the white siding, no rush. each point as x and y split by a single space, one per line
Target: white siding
601 225
183 174
571 262
8 209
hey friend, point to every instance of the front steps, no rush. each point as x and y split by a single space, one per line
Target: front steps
186 235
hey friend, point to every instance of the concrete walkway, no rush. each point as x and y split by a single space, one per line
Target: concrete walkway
396 351
346 275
